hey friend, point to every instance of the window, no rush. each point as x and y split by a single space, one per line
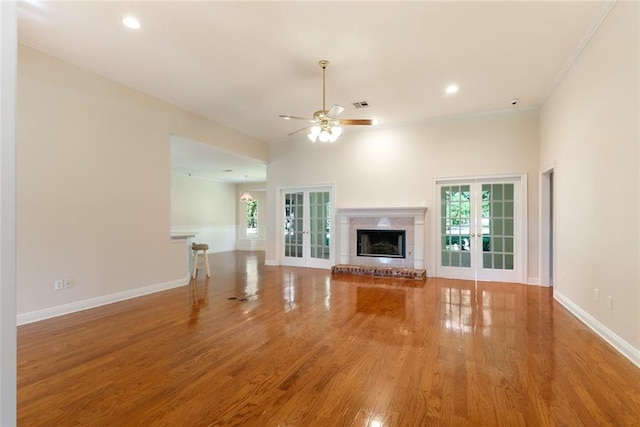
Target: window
252 218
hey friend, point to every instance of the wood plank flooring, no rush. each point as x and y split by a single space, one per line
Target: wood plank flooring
297 347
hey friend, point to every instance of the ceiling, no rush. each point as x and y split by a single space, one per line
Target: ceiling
197 160
242 64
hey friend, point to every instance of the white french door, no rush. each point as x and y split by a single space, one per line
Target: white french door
481 229
307 227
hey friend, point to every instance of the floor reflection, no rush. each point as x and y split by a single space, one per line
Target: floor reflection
457 310
381 301
199 297
475 305
289 292
251 272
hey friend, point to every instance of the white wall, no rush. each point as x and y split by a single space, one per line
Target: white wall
589 130
93 195
396 167
8 65
205 208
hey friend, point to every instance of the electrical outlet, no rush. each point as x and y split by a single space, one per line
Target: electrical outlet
58 285
597 295
610 301
68 283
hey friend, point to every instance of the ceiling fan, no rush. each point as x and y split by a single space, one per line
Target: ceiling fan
325 124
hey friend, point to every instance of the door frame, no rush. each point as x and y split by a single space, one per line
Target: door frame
522 246
546 226
280 218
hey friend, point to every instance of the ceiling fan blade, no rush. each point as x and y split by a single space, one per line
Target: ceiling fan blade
287 117
298 131
335 111
349 122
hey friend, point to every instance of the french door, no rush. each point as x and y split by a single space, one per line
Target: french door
481 229
307 227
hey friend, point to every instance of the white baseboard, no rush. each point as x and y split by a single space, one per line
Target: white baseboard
270 262
535 281
60 310
626 349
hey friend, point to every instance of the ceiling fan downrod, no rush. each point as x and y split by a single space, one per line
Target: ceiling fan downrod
324 64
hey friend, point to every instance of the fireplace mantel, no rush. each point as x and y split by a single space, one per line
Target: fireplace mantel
384 212
413 217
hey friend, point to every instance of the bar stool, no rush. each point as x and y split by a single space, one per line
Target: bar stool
200 249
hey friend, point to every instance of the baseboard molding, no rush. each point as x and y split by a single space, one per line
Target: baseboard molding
626 349
535 281
60 310
270 262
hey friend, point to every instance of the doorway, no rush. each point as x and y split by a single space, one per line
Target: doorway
481 228
307 221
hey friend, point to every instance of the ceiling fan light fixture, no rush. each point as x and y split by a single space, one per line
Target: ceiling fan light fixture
324 136
327 134
314 133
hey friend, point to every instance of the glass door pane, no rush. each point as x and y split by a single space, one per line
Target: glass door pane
320 224
293 224
455 222
498 226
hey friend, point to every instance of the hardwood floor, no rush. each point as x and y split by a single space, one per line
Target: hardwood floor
300 348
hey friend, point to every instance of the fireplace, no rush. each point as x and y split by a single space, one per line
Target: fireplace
409 221
381 243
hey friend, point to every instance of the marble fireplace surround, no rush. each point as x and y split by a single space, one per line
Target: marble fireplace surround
409 219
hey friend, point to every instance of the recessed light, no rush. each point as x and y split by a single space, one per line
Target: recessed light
131 22
452 88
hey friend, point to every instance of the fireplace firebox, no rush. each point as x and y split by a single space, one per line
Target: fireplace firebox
381 243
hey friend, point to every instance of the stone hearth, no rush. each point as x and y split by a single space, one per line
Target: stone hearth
397 272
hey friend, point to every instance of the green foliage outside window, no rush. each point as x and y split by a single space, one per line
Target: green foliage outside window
252 218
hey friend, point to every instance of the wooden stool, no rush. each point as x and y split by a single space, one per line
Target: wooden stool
200 249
